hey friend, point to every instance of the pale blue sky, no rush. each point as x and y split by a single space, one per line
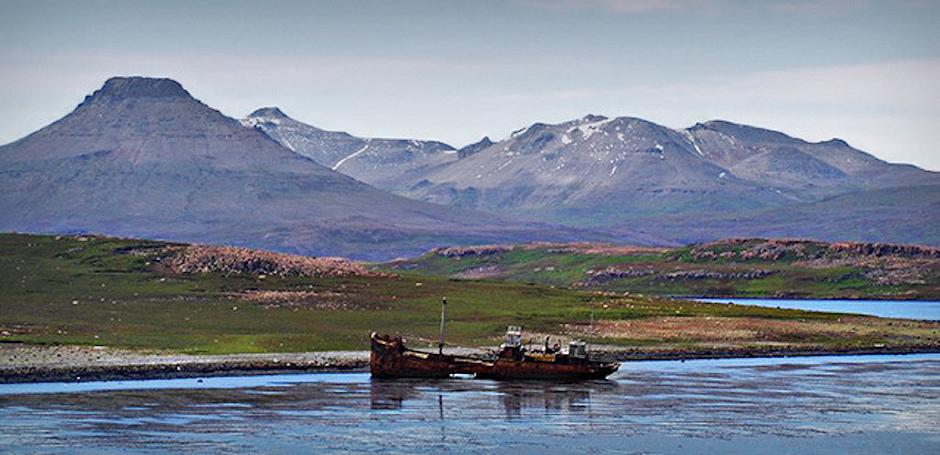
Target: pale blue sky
863 70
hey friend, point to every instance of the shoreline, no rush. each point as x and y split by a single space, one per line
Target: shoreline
797 298
128 365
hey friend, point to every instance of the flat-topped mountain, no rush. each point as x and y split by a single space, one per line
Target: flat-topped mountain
384 163
141 157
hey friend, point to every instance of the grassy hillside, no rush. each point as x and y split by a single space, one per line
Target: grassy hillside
140 294
731 268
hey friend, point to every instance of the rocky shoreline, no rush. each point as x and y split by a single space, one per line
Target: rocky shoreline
30 363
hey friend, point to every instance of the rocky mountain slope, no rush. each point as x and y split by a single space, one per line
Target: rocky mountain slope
610 172
141 157
712 165
909 214
384 163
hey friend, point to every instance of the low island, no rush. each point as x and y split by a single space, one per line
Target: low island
88 307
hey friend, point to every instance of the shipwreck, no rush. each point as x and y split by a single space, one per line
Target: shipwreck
390 358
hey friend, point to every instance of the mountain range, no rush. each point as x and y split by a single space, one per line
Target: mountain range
141 157
637 168
712 180
380 162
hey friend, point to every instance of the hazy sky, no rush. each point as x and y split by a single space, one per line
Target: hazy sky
865 71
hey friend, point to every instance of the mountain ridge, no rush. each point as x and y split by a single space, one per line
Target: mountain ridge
143 158
376 161
600 172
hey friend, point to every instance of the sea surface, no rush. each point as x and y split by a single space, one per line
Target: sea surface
847 404
903 309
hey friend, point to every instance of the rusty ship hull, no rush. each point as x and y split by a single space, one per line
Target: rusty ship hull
389 358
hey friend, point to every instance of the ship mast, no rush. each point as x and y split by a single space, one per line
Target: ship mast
440 344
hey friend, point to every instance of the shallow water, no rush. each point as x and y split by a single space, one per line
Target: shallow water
857 404
903 309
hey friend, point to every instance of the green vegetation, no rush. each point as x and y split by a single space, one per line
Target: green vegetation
799 269
105 291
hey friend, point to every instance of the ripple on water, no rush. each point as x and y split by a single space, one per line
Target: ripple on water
824 404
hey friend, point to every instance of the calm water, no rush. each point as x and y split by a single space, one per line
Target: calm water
905 309
859 404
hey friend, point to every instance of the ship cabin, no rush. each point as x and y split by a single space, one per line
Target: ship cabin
512 346
577 349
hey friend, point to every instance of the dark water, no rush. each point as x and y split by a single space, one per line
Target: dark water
860 404
904 309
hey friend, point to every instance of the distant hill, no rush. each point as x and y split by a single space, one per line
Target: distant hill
627 172
752 267
645 168
199 299
909 214
141 157
379 162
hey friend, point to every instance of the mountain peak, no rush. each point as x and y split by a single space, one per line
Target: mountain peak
746 132
836 142
269 112
269 115
475 147
140 87
593 118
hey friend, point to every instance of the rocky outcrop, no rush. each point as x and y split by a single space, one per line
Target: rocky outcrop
754 249
605 249
884 249
479 273
479 250
613 272
600 276
715 275
231 260
798 249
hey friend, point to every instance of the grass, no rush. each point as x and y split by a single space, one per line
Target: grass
789 277
91 291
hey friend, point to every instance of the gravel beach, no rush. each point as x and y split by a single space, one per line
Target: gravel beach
30 363
33 363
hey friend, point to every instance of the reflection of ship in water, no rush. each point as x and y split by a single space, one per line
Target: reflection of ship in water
388 394
518 397
514 397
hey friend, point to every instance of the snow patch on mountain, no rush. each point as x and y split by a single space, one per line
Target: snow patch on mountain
352 155
689 137
590 127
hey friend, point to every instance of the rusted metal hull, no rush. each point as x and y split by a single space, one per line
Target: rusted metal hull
527 369
390 358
